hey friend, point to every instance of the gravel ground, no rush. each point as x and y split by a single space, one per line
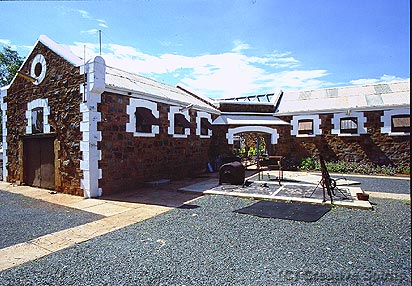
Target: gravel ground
386 185
23 218
209 244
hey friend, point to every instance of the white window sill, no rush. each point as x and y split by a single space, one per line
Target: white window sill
139 134
399 133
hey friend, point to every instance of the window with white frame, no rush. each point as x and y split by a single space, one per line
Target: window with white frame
203 125
401 123
349 124
306 125
143 118
37 115
37 120
179 122
396 122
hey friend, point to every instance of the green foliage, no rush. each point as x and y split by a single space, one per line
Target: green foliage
310 164
10 62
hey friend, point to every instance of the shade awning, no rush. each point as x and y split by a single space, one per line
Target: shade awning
248 120
181 120
205 123
146 116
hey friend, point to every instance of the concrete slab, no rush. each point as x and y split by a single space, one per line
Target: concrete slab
106 209
85 203
406 197
257 191
21 253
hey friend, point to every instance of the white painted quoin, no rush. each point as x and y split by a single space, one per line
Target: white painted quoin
95 71
3 94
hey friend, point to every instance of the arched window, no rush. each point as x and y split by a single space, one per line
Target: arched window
203 124
37 120
144 120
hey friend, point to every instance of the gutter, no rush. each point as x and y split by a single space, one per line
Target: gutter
157 98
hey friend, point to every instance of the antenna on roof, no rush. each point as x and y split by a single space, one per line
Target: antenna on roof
100 41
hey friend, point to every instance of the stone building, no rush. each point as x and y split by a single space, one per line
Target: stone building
369 123
85 128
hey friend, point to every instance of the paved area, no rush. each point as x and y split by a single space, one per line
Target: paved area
295 186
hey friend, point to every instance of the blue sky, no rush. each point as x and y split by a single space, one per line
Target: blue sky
227 48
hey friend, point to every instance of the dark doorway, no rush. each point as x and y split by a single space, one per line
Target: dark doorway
38 162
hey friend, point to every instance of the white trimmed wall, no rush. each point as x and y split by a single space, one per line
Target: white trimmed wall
4 129
387 121
40 102
95 71
199 117
260 129
171 117
316 125
131 110
361 123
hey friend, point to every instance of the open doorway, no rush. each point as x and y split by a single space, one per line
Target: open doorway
251 147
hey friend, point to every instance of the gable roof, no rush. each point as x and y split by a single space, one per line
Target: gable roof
121 80
118 79
64 51
364 97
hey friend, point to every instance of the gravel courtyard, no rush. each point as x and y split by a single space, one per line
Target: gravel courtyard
207 243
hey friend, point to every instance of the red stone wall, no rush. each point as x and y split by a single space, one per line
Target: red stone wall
129 161
61 87
373 147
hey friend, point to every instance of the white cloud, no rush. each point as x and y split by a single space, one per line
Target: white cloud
228 74
86 15
90 32
102 23
5 42
384 78
240 46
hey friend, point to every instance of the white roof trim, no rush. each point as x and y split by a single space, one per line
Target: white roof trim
62 51
156 98
248 120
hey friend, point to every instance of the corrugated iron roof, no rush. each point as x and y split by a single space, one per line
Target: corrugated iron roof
121 79
382 95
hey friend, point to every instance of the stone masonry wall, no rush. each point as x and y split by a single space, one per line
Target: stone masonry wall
61 87
129 161
373 147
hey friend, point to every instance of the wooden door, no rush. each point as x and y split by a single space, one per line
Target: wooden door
38 164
